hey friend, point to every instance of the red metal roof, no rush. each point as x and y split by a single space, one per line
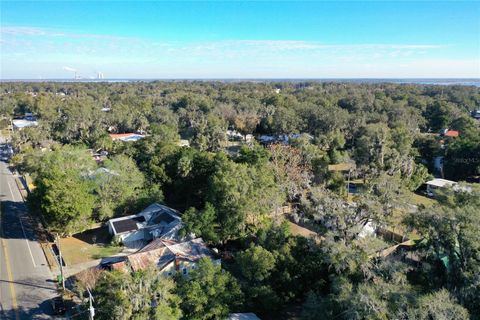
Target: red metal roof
452 133
142 260
161 252
120 266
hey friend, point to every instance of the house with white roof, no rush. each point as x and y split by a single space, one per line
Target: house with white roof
436 184
19 124
234 135
183 143
243 316
126 137
156 221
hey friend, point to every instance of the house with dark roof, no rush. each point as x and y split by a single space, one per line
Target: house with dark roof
170 256
156 221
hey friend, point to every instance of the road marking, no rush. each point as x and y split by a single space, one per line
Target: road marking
23 229
7 267
10 281
11 192
28 245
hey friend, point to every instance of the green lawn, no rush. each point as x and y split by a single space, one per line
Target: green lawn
396 221
422 200
397 225
98 252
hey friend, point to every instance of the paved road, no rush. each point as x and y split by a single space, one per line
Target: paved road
26 285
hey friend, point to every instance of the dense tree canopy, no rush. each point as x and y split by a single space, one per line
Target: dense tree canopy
209 294
141 295
337 160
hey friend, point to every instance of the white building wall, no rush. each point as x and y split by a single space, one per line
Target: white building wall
132 236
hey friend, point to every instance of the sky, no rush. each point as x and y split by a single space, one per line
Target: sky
239 39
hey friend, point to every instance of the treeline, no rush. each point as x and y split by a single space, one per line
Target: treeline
339 116
230 194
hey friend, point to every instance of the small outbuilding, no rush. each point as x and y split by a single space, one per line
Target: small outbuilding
19 124
436 184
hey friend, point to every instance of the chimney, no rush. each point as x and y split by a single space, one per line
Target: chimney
177 263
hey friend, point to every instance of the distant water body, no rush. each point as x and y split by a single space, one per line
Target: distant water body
426 81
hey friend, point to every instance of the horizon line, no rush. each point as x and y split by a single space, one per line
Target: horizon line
248 78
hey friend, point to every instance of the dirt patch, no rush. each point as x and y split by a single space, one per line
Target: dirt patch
297 230
87 246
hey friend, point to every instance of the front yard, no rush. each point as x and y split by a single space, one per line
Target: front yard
87 246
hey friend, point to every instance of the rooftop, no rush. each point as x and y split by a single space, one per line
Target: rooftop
127 137
243 316
450 133
24 123
155 215
161 252
441 183
125 225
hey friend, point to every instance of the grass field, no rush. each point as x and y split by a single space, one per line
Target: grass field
397 225
422 200
396 221
298 230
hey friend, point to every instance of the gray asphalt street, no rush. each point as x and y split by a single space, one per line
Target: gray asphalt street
26 285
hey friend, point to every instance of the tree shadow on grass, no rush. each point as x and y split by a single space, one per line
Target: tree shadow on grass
99 236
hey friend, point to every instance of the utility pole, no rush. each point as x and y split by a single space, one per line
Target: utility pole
60 261
348 182
91 309
10 131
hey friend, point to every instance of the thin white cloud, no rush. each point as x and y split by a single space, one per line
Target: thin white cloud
69 69
283 45
309 47
29 31
294 45
44 50
46 32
